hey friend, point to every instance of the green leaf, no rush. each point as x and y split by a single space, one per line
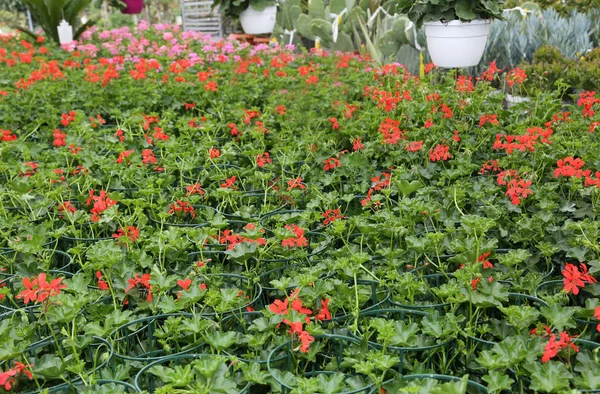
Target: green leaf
549 377
498 381
464 10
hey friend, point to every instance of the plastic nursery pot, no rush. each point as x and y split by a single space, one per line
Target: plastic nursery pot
148 378
378 297
251 205
496 320
426 353
87 236
148 339
426 300
248 293
95 355
202 174
100 385
326 362
213 261
293 272
202 216
299 217
472 387
12 262
241 322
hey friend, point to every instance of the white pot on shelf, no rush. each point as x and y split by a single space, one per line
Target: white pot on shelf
514 100
455 43
258 22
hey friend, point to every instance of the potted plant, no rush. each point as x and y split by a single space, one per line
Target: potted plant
256 16
456 30
132 6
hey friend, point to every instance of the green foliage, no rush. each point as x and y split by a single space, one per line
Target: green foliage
233 8
448 10
563 7
549 66
49 13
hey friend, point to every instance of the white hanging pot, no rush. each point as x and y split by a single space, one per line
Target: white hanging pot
258 22
65 32
455 43
514 100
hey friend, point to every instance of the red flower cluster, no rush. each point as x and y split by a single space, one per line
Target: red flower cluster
570 167
556 343
123 155
357 144
194 189
159 134
447 111
119 134
334 124
213 153
229 183
491 119
233 130
67 206
7 136
386 100
331 216
439 152
331 163
381 182
102 285
229 238
148 120
523 142
59 138
97 121
575 279
515 76
465 84
101 203
7 379
587 100
517 189
414 146
299 240
391 132
489 166
127 235
37 289
66 119
483 259
488 75
182 206
285 307
559 117
295 183
148 157
249 115
142 282
263 159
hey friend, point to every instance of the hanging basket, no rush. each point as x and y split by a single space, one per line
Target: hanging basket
455 43
133 7
258 22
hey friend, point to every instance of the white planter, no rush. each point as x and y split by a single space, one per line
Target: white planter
514 100
456 43
258 22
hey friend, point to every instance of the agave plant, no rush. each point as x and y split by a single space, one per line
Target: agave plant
49 13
